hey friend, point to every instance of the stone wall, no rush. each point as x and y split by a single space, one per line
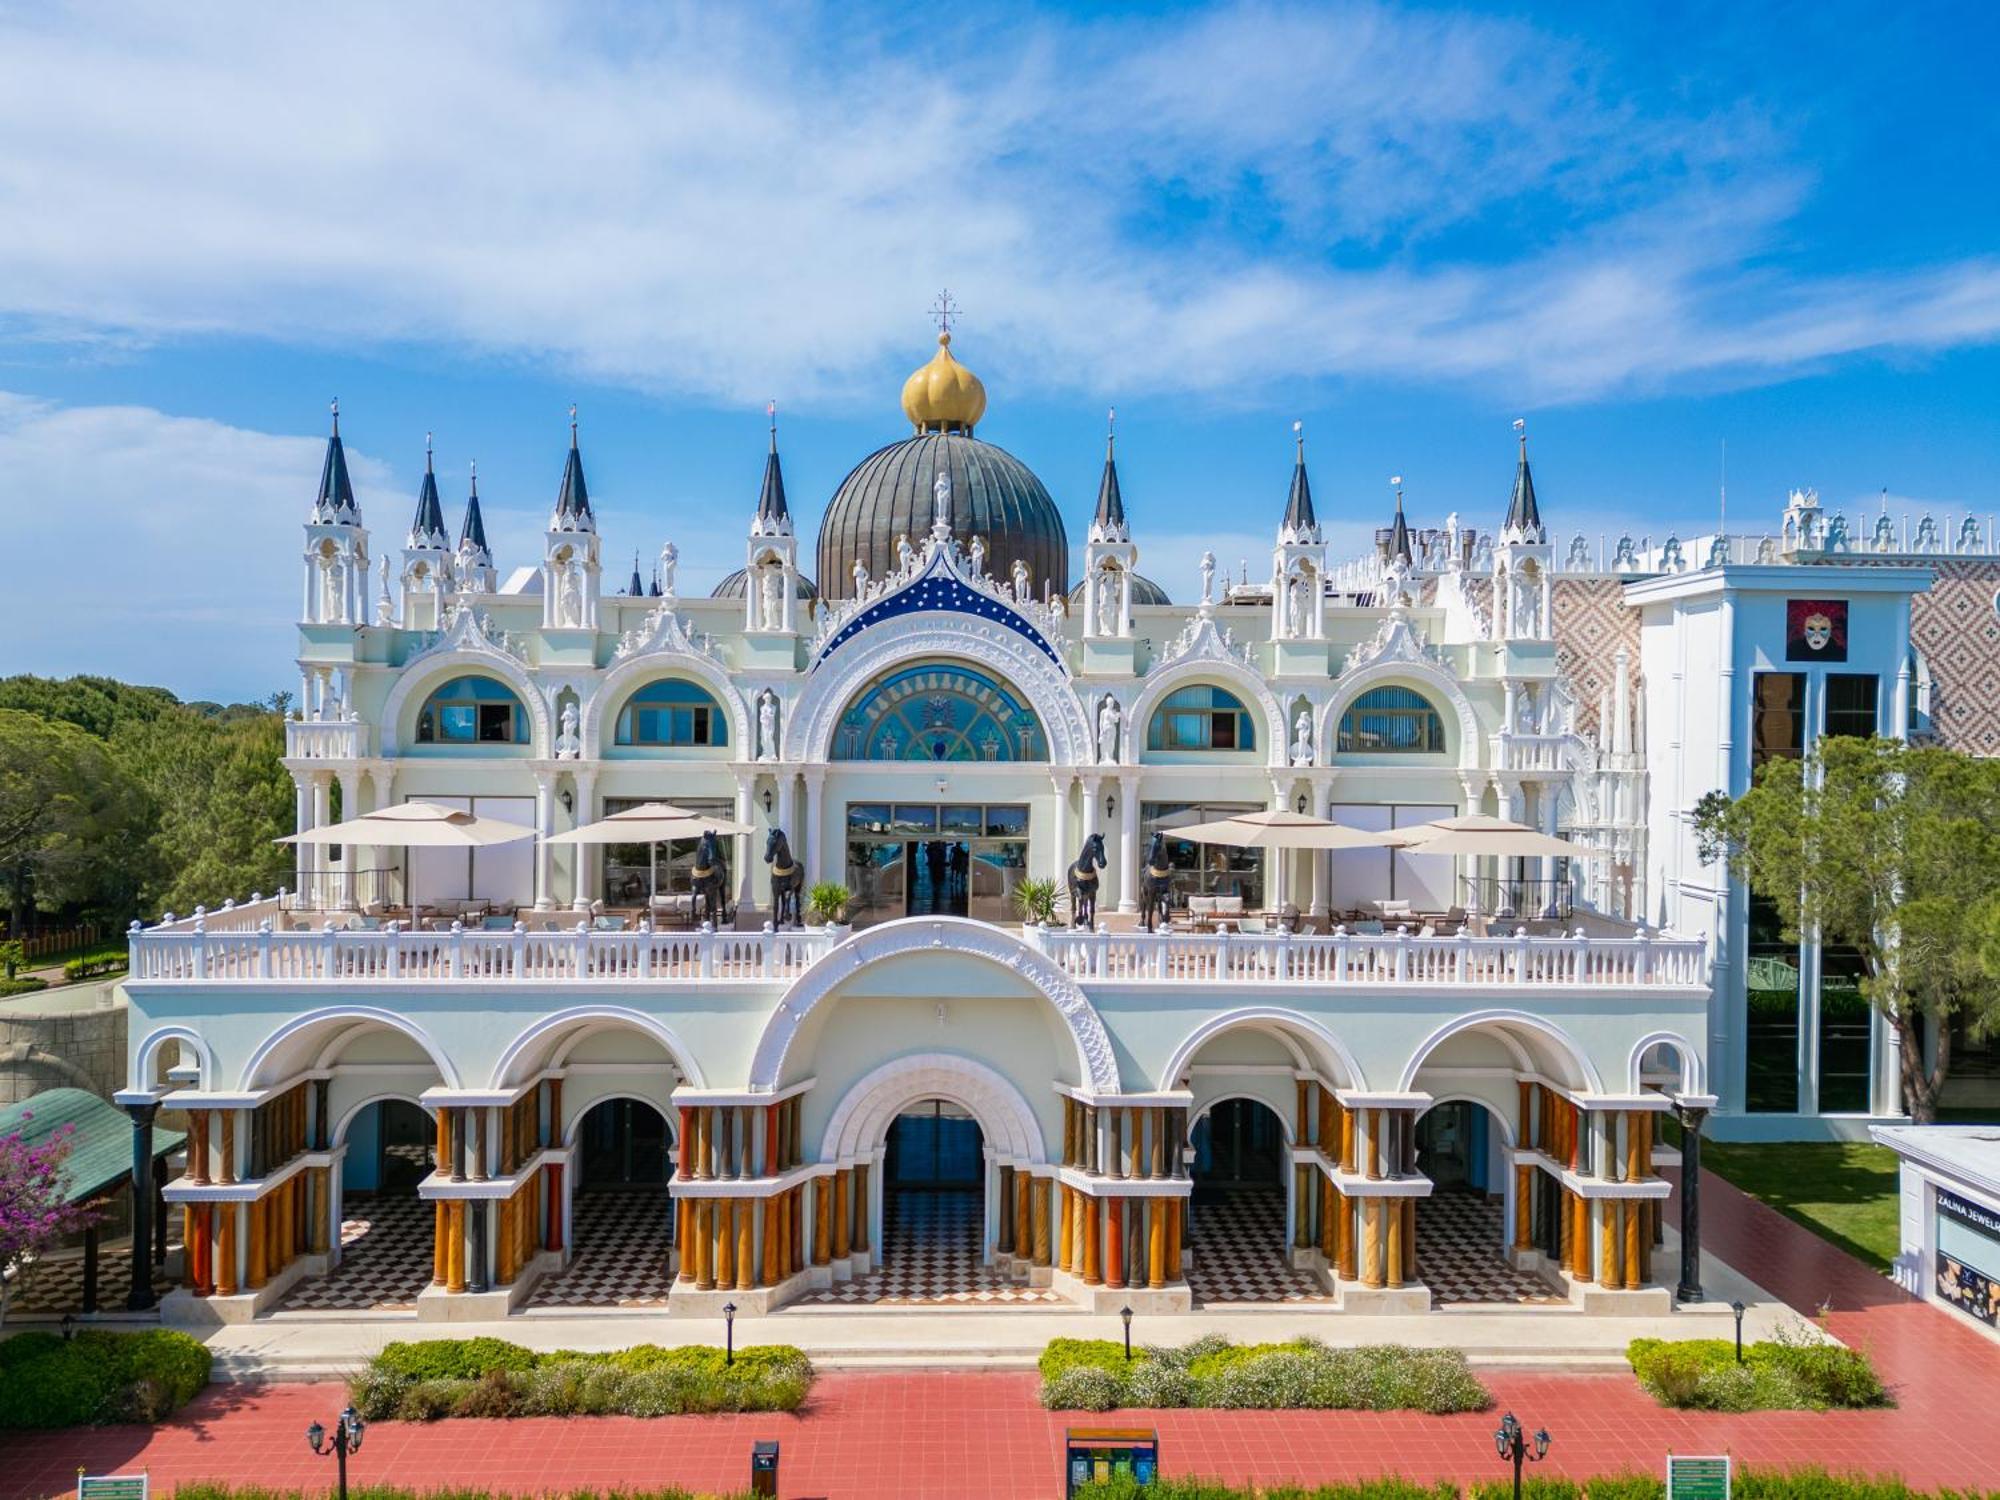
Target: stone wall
68 1038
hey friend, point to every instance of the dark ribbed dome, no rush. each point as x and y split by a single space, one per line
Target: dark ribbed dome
993 495
732 587
1144 591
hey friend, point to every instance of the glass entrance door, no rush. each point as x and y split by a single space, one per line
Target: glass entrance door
935 859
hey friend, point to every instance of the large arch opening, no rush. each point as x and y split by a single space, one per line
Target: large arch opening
621 1209
1238 1213
944 1136
1462 1226
387 1147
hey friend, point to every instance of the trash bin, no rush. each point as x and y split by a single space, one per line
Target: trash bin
764 1468
1104 1453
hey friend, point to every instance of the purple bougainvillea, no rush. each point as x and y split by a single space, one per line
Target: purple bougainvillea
33 1210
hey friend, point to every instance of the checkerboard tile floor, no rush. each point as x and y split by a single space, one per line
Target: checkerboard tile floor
55 1286
622 1243
930 1255
1459 1239
385 1258
1238 1245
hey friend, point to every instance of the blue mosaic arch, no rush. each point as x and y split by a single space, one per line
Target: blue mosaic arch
937 588
939 712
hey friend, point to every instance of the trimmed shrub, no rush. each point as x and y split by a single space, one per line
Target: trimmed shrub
1303 1373
435 1378
27 984
1792 1372
98 1376
94 965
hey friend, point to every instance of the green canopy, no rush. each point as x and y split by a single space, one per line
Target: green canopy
100 1144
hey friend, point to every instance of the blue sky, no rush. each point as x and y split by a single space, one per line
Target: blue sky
1646 229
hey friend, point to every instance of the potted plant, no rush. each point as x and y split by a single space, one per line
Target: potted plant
1036 901
826 904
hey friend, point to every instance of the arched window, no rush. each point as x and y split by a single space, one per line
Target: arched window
1391 721
672 711
1201 718
939 712
472 711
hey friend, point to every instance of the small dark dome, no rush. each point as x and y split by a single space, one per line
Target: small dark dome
1144 591
993 496
732 587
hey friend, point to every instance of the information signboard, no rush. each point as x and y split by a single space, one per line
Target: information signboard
110 1486
1692 1477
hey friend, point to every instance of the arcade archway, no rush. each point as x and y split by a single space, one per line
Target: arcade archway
621 1212
1237 1211
1462 1239
388 1147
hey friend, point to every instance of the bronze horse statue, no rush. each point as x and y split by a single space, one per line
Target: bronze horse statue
1156 884
788 881
711 881
1082 878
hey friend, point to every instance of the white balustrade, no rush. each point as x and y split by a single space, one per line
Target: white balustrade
199 950
326 739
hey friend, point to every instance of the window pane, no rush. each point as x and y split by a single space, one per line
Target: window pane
1007 822
1771 1052
1850 703
1777 717
496 723
1222 730
457 721
914 819
872 817
962 818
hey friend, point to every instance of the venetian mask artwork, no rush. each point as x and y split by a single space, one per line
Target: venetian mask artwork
1816 630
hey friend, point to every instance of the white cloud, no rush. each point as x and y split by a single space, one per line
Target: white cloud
724 203
155 548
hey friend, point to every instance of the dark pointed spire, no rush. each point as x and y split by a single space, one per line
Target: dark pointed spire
1399 531
637 587
335 505
573 500
1109 522
427 528
654 591
1522 513
772 513
472 535
1299 518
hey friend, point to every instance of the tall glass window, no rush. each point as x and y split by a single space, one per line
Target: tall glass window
1204 869
1778 717
1850 703
1201 718
634 872
1844 1043
1771 1039
1393 721
472 711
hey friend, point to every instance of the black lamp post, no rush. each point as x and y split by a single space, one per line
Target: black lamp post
1739 1310
68 1327
729 1333
1125 1316
1515 1445
346 1439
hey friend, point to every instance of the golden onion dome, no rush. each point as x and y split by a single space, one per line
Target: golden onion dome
944 396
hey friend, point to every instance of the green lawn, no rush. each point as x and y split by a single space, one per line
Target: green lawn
1842 1191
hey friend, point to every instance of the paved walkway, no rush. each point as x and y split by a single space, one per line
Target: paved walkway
961 1433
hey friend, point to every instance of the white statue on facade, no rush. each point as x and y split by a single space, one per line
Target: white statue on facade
1208 578
385 609
860 576
906 555
941 500
1109 717
1020 572
773 586
1296 602
978 556
767 725
569 595
670 557
1302 739
569 744
333 583
1058 606
1107 602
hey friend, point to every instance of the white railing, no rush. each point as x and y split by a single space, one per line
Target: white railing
202 951
325 739
1392 958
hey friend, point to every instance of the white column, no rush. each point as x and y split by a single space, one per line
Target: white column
1060 860
1130 855
1546 800
815 815
1322 868
302 868
586 854
746 814
545 825
788 805
322 814
347 889
1277 862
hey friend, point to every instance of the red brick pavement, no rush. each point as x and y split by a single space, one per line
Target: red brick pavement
963 1434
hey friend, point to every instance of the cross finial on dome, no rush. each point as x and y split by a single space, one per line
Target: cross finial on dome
943 311
335 403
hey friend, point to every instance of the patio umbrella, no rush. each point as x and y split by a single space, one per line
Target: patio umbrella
651 824
416 825
1478 835
1279 829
